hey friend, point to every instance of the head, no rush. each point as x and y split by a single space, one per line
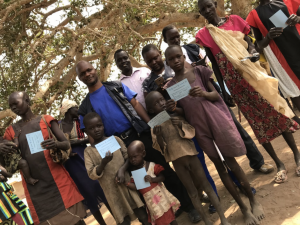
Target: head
153 57
87 73
122 61
155 102
19 102
136 153
175 58
94 126
208 9
69 107
171 35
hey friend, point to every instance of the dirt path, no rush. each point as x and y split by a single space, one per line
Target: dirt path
281 202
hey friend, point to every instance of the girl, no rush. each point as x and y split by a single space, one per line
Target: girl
206 111
173 139
161 204
253 91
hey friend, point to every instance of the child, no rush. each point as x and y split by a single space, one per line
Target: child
206 111
14 162
173 140
160 203
124 203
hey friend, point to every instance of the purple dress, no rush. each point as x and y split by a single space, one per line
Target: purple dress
212 120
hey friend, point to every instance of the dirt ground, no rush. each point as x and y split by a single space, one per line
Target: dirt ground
281 202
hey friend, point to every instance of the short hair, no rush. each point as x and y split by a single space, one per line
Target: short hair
82 62
148 47
90 116
23 93
166 29
149 98
171 47
118 51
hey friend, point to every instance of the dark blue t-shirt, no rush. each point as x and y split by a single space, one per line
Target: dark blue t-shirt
114 120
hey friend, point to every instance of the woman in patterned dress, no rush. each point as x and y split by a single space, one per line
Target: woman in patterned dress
266 122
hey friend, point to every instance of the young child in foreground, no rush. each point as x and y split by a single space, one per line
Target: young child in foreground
14 162
209 115
124 203
173 139
161 204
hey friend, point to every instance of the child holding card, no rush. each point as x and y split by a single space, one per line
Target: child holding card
161 204
173 139
206 111
124 203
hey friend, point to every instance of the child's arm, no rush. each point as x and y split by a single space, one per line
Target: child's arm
210 96
159 138
4 172
159 178
100 168
90 165
131 186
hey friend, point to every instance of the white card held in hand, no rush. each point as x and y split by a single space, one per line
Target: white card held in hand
110 144
279 19
139 178
34 141
179 90
159 119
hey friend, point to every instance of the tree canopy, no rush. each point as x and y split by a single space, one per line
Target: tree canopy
41 41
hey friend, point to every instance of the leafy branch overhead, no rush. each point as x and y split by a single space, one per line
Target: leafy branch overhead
41 41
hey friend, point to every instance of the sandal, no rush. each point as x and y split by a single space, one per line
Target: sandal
298 171
281 177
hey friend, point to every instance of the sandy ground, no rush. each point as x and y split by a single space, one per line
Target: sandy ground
281 202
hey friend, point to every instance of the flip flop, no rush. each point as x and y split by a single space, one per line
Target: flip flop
281 177
298 171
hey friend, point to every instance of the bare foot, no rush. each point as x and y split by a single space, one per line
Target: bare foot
226 223
249 218
258 211
32 181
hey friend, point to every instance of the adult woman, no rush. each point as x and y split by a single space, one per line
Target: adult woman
90 189
280 45
266 121
55 199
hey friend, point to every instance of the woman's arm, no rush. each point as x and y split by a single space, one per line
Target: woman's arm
75 142
263 42
61 143
131 186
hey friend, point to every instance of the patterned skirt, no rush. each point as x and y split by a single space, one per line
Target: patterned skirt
265 121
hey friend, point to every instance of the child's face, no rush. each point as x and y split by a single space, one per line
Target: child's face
158 104
95 128
175 59
135 156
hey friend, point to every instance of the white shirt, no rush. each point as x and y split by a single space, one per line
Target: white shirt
135 81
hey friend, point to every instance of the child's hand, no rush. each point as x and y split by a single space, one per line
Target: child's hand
148 178
197 92
108 157
176 121
157 130
171 105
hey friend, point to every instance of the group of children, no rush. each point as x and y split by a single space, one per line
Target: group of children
203 115
173 139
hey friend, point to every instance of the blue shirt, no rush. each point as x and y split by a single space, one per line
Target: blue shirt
114 120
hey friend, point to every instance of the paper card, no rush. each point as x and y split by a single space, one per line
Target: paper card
139 178
34 141
110 144
159 119
179 90
279 19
